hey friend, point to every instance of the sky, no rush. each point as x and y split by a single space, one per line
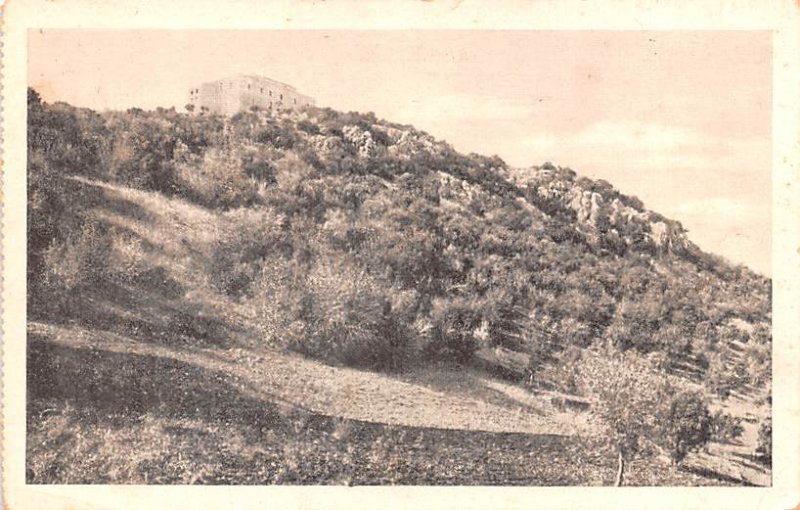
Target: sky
680 119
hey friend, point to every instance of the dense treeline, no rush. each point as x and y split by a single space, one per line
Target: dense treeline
371 243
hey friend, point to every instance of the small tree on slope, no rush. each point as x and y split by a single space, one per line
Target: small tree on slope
643 412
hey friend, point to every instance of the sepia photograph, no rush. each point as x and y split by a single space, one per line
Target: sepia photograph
398 258
348 262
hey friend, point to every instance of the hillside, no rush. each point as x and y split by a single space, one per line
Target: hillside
346 268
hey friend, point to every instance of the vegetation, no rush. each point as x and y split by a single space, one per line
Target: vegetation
644 413
725 427
764 448
364 243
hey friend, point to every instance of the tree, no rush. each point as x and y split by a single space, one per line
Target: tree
624 401
642 411
189 107
34 98
683 423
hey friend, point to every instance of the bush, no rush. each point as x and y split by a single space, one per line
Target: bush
568 374
574 332
247 238
454 322
276 135
259 169
218 181
643 411
339 313
720 378
291 172
80 259
308 127
725 428
683 423
764 448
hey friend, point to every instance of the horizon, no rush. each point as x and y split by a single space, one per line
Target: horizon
692 110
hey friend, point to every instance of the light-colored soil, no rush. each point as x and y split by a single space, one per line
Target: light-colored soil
448 398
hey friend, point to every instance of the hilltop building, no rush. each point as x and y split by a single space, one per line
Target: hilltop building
241 93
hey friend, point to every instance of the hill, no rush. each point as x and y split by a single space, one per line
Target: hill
167 250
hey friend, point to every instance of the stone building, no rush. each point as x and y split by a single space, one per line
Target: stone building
241 93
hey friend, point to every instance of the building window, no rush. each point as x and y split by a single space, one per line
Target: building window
248 86
294 101
270 94
262 90
281 97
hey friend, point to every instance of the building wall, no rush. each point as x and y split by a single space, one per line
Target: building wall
241 93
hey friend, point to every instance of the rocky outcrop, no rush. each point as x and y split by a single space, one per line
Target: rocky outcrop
600 212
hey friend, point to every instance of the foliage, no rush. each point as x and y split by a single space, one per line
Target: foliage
683 423
453 325
642 411
764 448
248 239
725 428
474 243
758 363
338 313
80 259
626 398
720 378
218 180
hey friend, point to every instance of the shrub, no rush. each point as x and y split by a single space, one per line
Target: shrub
539 353
454 322
758 363
218 181
683 423
291 172
276 135
643 411
659 360
247 238
720 377
575 332
259 169
80 259
725 428
308 127
568 374
339 313
764 447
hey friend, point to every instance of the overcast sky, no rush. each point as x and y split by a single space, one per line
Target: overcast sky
679 119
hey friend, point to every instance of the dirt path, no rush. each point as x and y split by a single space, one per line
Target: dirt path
456 400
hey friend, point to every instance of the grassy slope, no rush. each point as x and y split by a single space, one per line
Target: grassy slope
140 396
